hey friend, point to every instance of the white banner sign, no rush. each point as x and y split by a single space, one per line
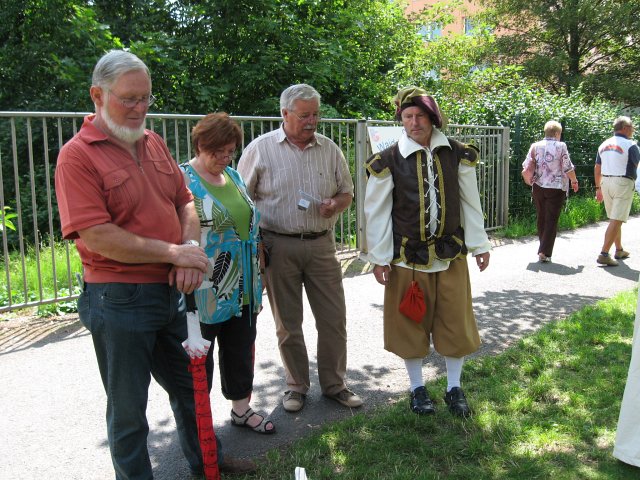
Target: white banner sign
383 137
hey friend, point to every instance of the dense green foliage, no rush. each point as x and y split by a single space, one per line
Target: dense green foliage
347 50
47 51
564 45
210 55
510 101
238 55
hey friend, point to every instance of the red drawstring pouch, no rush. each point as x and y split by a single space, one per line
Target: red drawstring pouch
413 304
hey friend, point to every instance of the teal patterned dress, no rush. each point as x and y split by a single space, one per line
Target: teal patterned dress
233 277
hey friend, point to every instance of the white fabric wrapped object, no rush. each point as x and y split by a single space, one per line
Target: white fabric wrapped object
195 345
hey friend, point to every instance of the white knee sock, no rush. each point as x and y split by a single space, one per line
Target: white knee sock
414 369
454 371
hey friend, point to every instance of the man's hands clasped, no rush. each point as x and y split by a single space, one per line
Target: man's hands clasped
189 267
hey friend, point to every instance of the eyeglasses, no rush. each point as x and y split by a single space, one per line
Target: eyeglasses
147 101
224 153
307 116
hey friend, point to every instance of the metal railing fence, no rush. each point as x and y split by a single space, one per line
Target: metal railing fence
33 253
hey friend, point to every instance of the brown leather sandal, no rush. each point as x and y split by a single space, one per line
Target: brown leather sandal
241 421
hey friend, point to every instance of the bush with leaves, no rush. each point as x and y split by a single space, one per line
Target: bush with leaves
510 101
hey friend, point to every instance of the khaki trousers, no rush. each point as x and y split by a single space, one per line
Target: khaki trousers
294 263
617 196
449 320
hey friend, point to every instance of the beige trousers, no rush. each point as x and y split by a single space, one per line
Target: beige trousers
294 263
449 320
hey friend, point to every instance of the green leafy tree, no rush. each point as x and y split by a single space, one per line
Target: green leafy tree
135 20
238 55
233 55
457 66
565 44
47 51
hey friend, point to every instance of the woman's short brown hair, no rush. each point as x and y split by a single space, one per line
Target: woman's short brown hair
215 131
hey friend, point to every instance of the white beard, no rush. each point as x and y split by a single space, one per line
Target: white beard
125 134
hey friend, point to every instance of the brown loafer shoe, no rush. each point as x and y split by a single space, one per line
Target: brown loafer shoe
293 401
237 466
347 398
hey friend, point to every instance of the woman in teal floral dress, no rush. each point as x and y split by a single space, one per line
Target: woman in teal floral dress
230 296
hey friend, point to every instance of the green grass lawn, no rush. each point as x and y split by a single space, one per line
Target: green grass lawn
546 408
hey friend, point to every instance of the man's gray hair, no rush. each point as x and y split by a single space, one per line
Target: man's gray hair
301 91
621 122
113 64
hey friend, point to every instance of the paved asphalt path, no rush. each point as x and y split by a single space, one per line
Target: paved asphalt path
52 402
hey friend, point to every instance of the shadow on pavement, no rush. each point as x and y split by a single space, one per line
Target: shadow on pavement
39 332
506 316
622 271
556 268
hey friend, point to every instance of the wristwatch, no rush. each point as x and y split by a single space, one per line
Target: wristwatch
191 242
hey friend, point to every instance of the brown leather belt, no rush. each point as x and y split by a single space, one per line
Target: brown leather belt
301 236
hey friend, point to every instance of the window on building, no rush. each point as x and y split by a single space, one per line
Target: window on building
430 31
469 25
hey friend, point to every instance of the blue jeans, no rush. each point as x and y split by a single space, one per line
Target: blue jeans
137 331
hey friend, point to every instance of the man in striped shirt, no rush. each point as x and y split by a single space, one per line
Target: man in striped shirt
300 182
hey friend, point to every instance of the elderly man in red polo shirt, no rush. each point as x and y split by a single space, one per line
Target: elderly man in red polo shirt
123 200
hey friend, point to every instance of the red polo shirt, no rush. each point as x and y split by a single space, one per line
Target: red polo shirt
98 181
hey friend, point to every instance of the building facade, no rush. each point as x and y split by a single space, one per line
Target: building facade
463 18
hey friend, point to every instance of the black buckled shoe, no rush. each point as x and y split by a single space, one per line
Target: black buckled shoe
420 402
457 402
